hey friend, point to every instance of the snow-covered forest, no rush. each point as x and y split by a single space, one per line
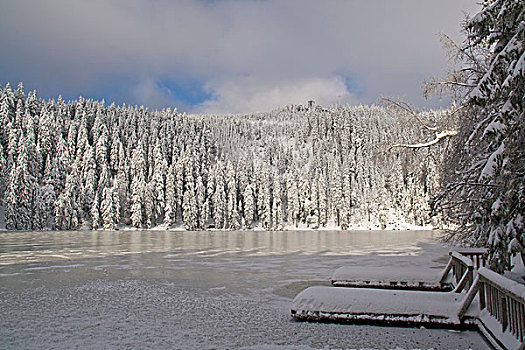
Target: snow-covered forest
83 164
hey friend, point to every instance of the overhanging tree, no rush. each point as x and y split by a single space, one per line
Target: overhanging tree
484 187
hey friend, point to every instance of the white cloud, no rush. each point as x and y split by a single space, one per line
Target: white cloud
148 93
86 47
252 95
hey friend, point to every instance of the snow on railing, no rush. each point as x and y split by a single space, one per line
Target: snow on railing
462 270
477 255
504 299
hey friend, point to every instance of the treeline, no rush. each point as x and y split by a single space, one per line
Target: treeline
83 164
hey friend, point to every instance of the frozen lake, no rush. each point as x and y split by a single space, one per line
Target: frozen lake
203 290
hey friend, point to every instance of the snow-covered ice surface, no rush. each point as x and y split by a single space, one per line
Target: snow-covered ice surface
197 290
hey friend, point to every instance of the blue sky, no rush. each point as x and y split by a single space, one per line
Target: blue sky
227 56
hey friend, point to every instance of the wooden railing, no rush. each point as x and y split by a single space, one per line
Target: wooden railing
504 299
477 255
462 271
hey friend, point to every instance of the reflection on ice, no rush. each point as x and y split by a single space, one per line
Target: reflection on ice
53 267
27 247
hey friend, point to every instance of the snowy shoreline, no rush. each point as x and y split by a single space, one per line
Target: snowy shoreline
257 228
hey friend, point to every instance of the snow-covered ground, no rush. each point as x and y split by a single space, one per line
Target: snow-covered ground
195 290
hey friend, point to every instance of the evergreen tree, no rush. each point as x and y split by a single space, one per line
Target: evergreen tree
123 188
115 197
303 191
235 220
293 200
347 200
115 153
277 209
44 205
249 206
179 187
189 214
219 198
149 205
21 193
336 194
231 192
138 186
263 198
67 210
158 181
485 184
14 134
171 206
95 213
108 210
6 113
3 173
323 206
137 214
243 181
90 182
200 197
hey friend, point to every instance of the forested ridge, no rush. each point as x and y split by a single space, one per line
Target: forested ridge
83 164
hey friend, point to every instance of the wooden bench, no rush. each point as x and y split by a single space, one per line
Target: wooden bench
394 306
459 266
498 312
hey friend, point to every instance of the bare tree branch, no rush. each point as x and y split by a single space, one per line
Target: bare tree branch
404 106
449 82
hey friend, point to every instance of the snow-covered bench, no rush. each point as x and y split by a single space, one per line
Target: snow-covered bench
499 310
384 306
408 307
459 266
372 305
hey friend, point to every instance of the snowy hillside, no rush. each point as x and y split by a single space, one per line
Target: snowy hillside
83 164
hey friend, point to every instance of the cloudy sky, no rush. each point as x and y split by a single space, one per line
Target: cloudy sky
227 56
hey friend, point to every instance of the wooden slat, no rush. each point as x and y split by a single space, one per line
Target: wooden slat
481 288
512 316
504 313
468 298
521 321
445 273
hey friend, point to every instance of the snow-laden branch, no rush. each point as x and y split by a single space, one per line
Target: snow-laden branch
439 136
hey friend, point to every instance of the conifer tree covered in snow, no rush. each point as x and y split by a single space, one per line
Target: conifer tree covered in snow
202 207
484 189
277 210
170 205
86 165
249 206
